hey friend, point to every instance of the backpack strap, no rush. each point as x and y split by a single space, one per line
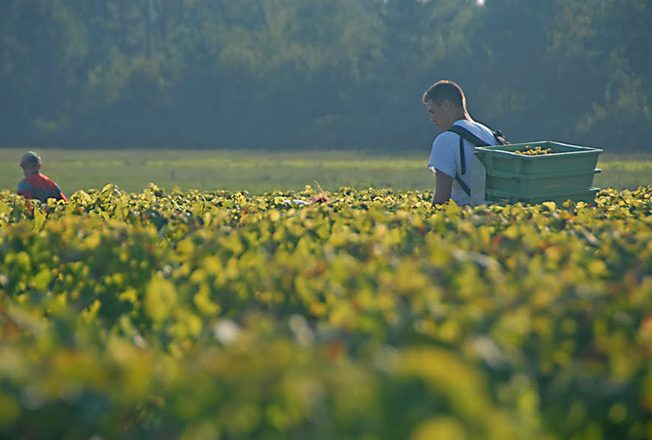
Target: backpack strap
463 185
465 134
459 180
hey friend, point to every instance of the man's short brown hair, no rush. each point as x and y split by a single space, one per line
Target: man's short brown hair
443 90
30 158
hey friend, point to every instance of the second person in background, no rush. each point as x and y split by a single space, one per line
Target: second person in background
36 185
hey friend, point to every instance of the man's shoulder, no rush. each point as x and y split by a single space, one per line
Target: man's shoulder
445 138
478 129
24 184
40 178
473 126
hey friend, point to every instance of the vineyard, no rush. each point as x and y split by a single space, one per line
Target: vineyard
353 314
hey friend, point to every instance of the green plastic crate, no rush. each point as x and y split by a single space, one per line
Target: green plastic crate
506 197
540 185
566 173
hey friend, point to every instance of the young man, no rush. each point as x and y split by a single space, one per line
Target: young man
446 103
36 185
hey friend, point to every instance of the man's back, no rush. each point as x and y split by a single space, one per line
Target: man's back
41 187
445 156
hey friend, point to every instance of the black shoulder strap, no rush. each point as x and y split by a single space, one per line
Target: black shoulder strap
463 185
463 133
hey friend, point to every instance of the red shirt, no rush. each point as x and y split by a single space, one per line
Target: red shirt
41 187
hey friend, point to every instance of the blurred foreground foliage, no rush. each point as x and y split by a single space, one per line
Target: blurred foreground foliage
353 314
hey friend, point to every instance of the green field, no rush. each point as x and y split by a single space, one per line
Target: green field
369 315
263 171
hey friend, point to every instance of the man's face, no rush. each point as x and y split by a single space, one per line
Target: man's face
29 168
440 114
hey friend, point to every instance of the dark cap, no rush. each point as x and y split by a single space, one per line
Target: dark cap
30 158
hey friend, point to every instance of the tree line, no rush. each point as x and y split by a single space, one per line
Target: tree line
304 74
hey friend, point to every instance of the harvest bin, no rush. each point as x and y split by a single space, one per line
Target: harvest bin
565 173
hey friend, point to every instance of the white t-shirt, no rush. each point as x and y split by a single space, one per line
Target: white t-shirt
445 156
